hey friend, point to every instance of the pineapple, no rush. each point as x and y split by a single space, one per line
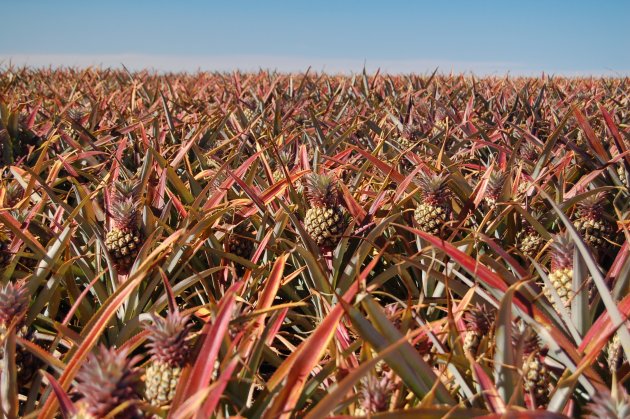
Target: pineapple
107 380
169 354
536 376
494 189
615 405
410 135
614 353
479 321
529 151
240 242
561 275
13 305
435 210
5 241
376 392
591 224
124 239
326 220
528 241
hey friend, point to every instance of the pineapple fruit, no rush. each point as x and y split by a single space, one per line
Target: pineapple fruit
124 239
107 380
326 219
169 353
536 376
528 241
591 224
432 214
13 305
615 356
561 275
479 322
496 183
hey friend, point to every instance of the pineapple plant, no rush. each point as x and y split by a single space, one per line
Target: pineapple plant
536 376
479 323
592 225
435 210
325 220
170 352
561 274
105 381
124 239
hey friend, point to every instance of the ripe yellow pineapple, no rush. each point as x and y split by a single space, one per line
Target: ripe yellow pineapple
435 210
124 239
326 220
169 353
561 275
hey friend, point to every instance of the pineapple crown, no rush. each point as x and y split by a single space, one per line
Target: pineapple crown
496 181
592 207
323 190
609 405
527 338
434 188
126 189
562 252
124 213
13 303
479 319
376 393
167 338
107 380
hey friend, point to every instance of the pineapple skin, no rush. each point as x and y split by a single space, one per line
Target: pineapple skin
594 232
161 382
123 245
562 281
529 243
326 225
430 218
536 379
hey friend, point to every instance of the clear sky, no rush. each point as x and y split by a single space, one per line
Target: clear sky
485 37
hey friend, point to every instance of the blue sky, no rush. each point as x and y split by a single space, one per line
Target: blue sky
485 37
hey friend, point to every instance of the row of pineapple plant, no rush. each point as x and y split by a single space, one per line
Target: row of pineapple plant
272 245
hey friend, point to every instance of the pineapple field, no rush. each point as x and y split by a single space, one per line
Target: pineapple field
269 245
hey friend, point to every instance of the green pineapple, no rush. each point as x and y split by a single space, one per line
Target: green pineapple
326 219
435 210
107 380
169 354
124 239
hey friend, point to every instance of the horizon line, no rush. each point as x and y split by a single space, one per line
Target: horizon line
173 63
